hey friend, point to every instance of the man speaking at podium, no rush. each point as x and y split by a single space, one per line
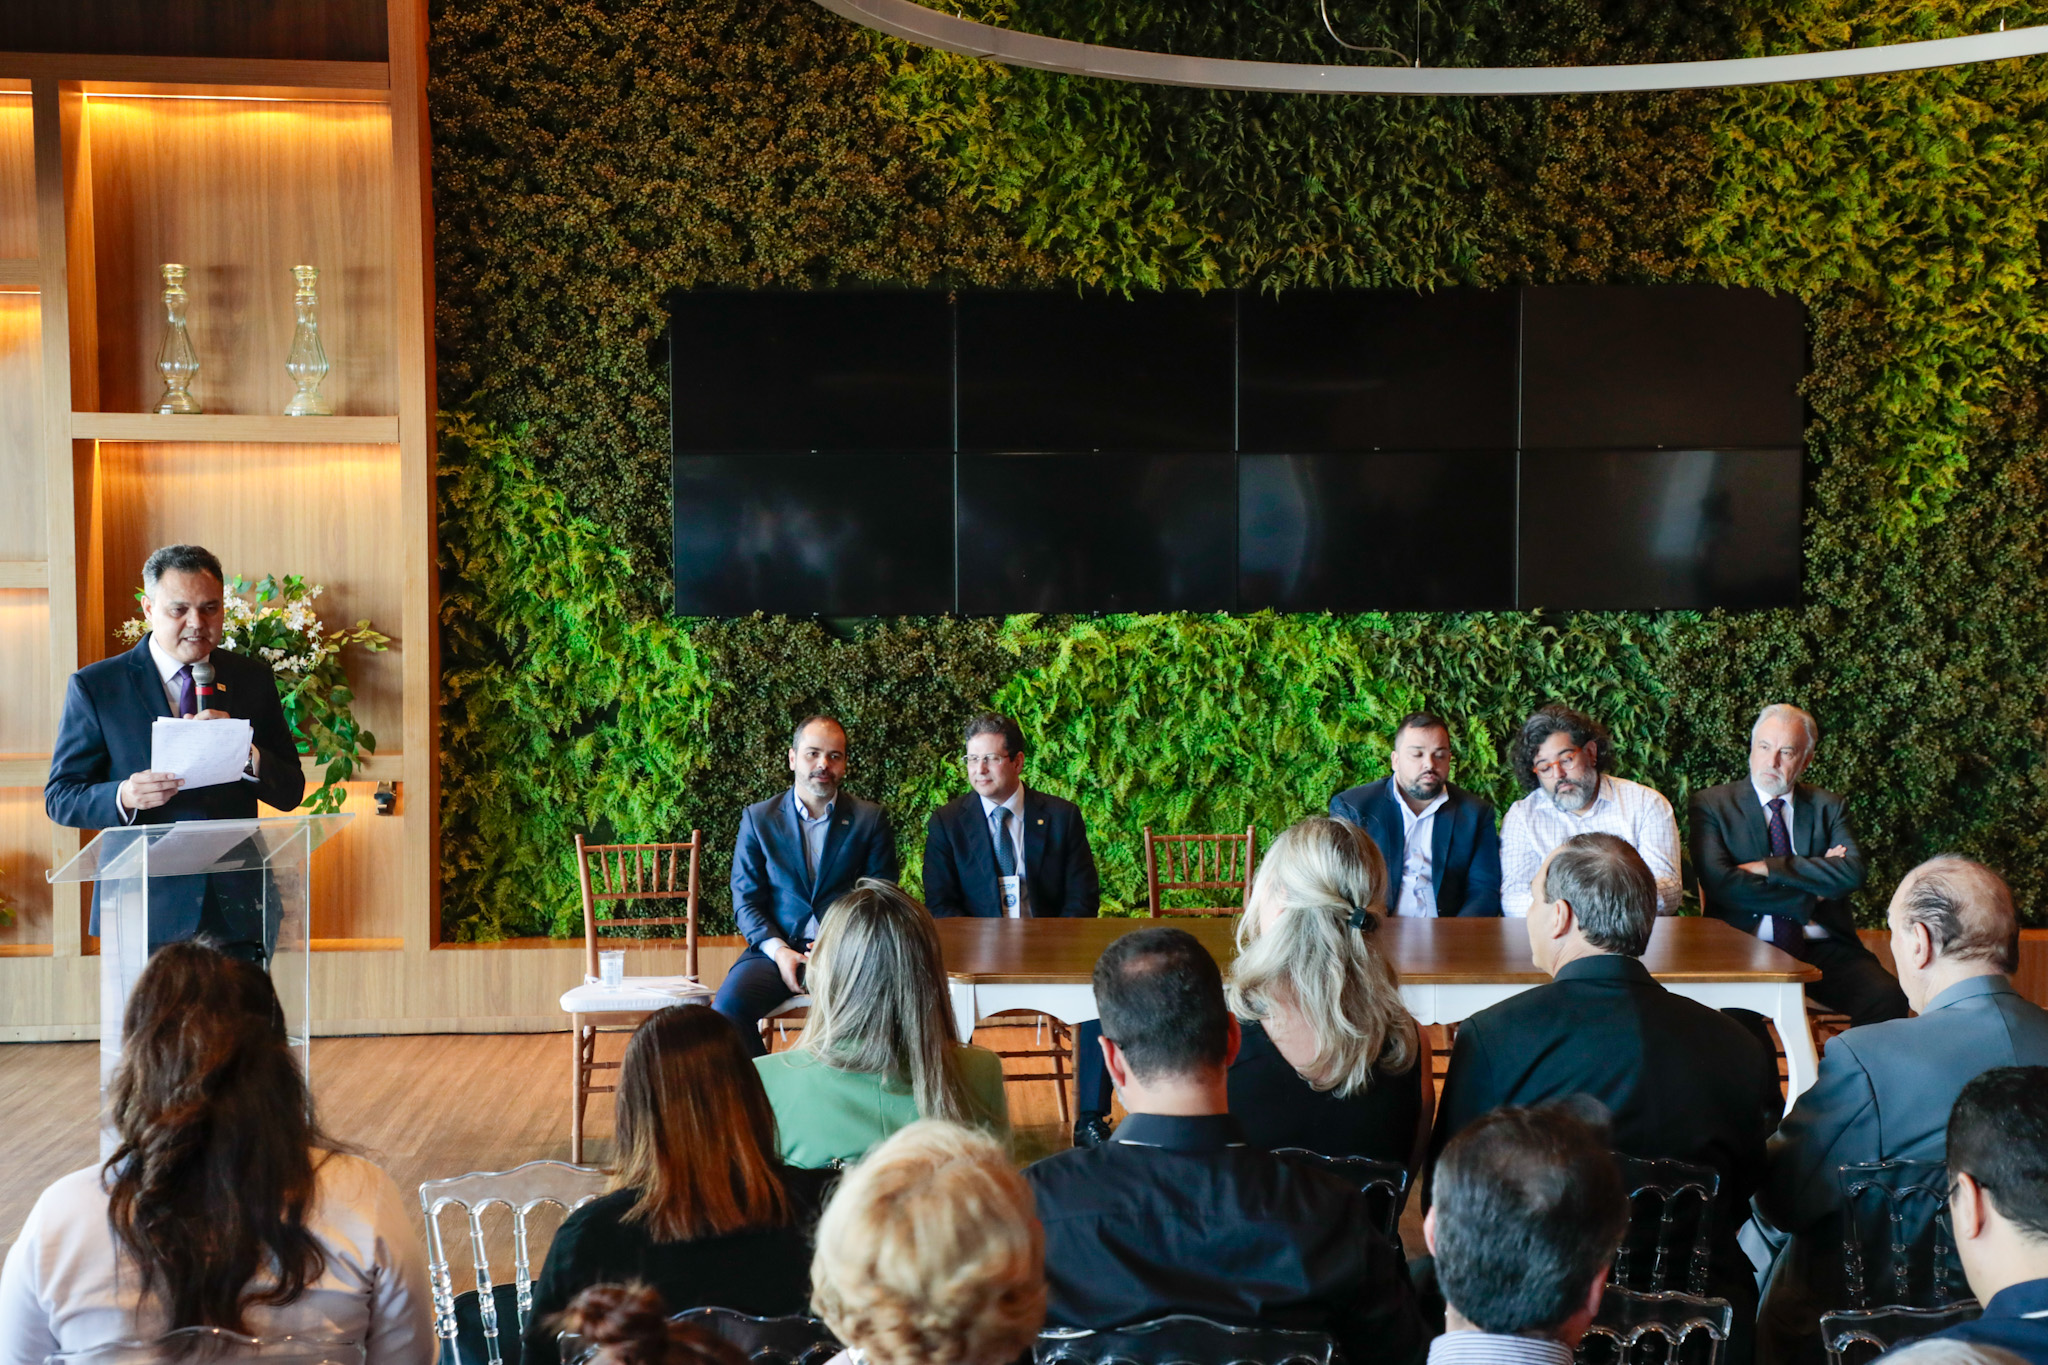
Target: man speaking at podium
100 775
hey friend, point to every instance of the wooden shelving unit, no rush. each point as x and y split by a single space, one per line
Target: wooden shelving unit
238 168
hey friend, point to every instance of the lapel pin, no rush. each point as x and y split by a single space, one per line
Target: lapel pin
1041 822
846 822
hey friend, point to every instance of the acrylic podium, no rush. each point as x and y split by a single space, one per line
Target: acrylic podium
128 863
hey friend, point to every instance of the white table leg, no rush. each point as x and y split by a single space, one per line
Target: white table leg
964 1013
1802 1063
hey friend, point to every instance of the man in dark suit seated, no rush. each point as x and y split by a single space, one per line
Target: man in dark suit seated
1529 1212
797 853
1679 1079
1441 844
1885 1091
100 775
1776 858
1004 850
1175 1214
1998 1206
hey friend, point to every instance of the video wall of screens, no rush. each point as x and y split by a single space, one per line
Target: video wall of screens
897 452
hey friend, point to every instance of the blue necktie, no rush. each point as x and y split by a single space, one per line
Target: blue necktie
1786 934
1006 851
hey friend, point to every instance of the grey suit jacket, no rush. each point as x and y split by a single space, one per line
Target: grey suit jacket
1885 1091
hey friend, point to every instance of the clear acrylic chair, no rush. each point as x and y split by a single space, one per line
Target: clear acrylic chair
1897 1249
522 1191
210 1344
794 1340
1183 1339
1857 1336
1670 1225
1383 1183
1664 1328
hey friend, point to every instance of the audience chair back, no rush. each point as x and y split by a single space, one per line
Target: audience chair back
1670 1225
1665 1328
218 1344
1182 1339
1897 1249
1383 1183
1858 1336
795 1340
1199 862
625 873
522 1190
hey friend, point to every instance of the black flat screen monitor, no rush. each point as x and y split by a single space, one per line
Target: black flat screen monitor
1660 530
1084 533
1058 371
1377 370
823 370
833 535
1377 532
1679 366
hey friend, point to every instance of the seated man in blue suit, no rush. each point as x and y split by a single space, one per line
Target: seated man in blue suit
100 776
1440 842
1005 850
797 853
1998 1205
1885 1090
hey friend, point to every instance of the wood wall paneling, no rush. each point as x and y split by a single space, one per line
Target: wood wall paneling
23 535
17 177
327 512
239 191
358 875
24 858
28 713
338 30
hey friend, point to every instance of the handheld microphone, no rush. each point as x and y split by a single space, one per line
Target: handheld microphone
202 683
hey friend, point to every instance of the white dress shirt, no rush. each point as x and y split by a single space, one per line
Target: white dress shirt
1764 799
167 668
1639 814
1485 1348
1015 805
1418 873
67 1287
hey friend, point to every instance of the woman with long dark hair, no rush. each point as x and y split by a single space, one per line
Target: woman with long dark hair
701 1210
223 1205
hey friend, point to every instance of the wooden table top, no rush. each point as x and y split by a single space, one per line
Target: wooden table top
1426 952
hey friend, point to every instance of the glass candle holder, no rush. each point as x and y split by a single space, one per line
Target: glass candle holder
307 363
175 358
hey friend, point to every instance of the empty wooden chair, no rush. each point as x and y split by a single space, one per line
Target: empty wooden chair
630 876
1199 862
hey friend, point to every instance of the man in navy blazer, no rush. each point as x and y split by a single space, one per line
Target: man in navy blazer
797 853
1041 861
100 776
1885 1090
1440 842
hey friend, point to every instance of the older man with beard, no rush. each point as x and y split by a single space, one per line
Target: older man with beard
1561 758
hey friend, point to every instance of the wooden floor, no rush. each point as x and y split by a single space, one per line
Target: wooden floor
422 1107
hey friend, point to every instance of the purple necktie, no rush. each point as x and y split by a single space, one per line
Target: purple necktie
188 697
1786 934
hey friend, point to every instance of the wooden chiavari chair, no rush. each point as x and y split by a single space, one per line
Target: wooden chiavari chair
1199 862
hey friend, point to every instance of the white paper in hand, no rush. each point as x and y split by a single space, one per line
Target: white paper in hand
205 753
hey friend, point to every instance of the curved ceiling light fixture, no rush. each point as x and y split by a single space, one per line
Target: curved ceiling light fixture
915 23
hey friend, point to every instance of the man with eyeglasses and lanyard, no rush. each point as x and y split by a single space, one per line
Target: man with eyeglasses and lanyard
1561 759
1005 851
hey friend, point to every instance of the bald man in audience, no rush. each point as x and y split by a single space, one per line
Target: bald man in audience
1776 858
1885 1090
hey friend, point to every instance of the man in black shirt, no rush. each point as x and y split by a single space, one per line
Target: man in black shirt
1175 1214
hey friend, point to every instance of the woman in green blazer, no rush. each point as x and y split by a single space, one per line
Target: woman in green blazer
877 1052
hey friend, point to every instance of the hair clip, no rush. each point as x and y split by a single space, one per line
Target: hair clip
1364 920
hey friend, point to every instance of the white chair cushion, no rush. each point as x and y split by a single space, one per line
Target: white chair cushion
634 993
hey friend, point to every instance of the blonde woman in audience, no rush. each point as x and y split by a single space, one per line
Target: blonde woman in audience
1331 1059
878 1050
930 1253
223 1205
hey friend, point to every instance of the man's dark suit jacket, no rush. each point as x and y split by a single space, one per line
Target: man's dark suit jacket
772 895
1464 845
1730 827
104 738
1177 1215
960 875
1883 1094
1678 1079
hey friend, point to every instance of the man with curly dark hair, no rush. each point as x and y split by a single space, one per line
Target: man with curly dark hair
1562 759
